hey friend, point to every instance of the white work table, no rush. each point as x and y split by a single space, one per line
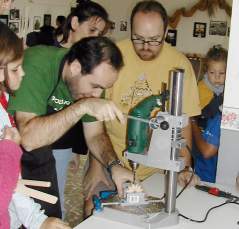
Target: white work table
192 203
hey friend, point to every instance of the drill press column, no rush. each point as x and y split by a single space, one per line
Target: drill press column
175 109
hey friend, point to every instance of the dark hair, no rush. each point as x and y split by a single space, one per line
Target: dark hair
150 6
92 51
84 11
32 39
61 19
217 53
44 37
59 30
11 46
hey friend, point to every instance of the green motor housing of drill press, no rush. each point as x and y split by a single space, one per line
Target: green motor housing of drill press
138 132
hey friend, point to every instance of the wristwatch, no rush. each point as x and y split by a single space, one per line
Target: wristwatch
112 164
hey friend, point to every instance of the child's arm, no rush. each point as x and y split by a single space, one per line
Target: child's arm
206 149
24 211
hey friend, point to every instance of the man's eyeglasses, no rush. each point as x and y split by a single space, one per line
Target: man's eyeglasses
139 41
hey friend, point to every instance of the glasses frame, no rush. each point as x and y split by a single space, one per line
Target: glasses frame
142 41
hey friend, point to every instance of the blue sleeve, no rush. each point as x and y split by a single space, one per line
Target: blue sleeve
213 130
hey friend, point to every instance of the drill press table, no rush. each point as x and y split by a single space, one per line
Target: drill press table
192 203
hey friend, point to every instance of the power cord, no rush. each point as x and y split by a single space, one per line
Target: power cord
186 185
207 213
210 209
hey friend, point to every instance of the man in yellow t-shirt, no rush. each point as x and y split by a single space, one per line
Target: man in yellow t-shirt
140 79
148 60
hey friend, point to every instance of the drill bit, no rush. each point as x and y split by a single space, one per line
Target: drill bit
134 175
136 118
134 166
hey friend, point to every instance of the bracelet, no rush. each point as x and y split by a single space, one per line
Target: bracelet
112 164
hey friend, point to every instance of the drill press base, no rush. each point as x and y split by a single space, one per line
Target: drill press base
147 217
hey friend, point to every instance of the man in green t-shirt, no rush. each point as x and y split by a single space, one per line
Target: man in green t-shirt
59 88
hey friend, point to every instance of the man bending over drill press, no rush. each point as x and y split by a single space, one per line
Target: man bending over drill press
148 60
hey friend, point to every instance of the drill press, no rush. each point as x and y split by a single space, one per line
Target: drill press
155 143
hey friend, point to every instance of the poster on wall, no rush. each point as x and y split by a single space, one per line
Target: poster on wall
36 23
171 37
218 28
112 25
199 29
14 14
14 26
47 20
123 25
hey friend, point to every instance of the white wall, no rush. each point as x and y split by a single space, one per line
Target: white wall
120 10
231 97
228 158
31 8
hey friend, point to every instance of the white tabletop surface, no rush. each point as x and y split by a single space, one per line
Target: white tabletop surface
192 203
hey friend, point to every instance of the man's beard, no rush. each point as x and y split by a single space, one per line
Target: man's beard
146 55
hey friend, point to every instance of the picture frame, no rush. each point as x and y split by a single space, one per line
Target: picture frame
171 37
14 14
112 25
14 26
36 23
218 28
47 19
199 29
123 25
4 19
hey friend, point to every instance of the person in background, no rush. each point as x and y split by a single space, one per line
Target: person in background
22 209
87 19
148 60
206 127
60 21
46 35
60 87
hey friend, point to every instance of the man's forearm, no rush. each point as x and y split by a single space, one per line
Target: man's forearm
44 130
101 147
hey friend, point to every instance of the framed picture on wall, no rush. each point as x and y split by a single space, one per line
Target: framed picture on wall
4 19
47 19
218 28
112 25
199 29
36 23
123 25
14 14
14 26
171 37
